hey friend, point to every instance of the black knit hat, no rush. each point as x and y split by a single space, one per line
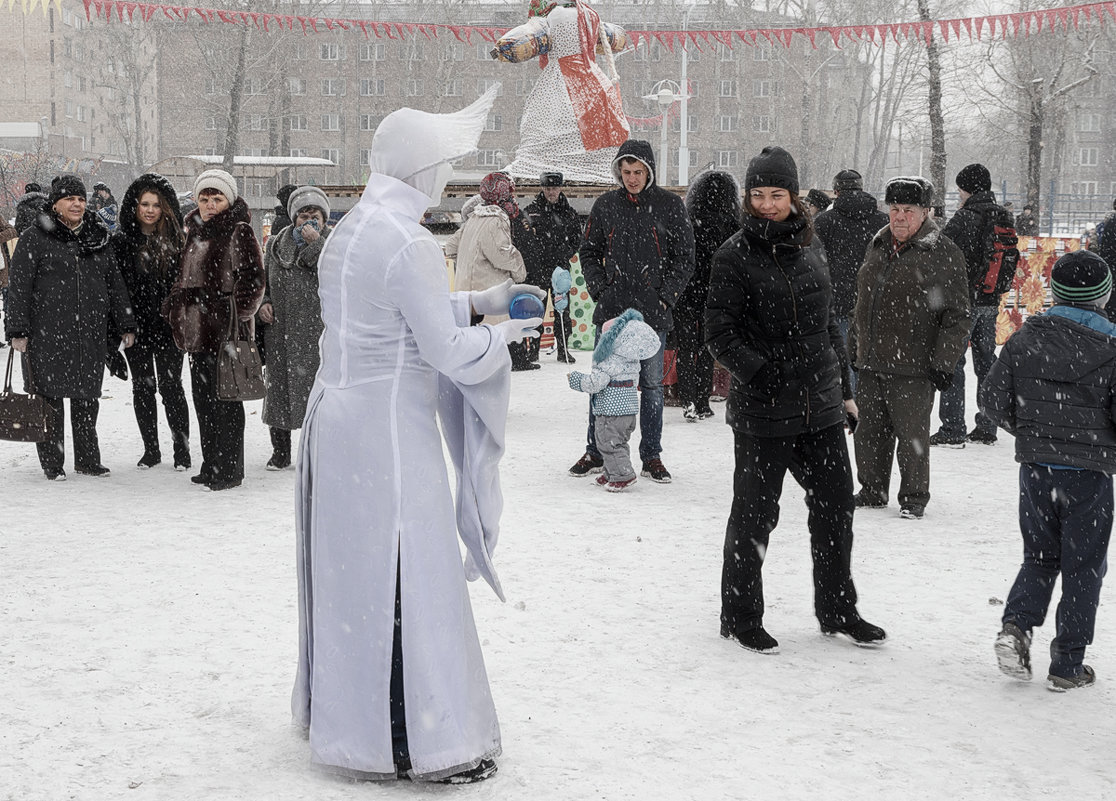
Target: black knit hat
818 199
772 167
65 185
32 187
1080 277
909 191
974 178
551 179
847 180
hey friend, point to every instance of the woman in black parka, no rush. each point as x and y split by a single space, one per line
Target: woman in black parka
713 203
65 297
768 322
147 246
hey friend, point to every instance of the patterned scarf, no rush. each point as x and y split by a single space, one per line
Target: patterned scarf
496 190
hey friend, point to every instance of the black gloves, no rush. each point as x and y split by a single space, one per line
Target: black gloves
117 365
941 379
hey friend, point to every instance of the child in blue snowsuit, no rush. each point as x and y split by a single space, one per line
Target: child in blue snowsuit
1054 387
624 342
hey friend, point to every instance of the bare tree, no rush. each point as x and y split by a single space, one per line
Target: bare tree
125 74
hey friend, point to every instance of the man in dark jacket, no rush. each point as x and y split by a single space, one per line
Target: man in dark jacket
29 206
65 293
908 331
638 253
1054 388
968 229
555 236
845 231
1106 249
1026 222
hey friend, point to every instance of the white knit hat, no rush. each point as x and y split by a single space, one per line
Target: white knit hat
307 196
216 179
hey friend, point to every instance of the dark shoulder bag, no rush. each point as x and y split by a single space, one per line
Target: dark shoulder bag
239 366
23 418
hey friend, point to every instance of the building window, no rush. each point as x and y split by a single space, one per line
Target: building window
1088 122
484 83
1087 157
674 158
210 86
692 54
495 122
761 53
451 88
369 122
726 158
454 51
488 158
298 123
211 151
1083 188
69 108
211 123
728 88
640 52
81 113
333 87
523 86
763 88
329 52
298 51
726 123
331 122
412 51
333 154
482 51
67 79
298 152
255 152
414 87
365 158
257 122
763 124
254 86
372 87
373 52
676 124
295 86
725 53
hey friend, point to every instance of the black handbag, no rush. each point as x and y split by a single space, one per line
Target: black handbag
239 366
23 418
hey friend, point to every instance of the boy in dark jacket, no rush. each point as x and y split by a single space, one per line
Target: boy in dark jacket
1054 388
637 252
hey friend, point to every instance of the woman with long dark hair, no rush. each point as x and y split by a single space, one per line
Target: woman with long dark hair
768 322
147 245
713 203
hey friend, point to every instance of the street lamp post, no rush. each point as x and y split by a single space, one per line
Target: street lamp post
684 122
665 93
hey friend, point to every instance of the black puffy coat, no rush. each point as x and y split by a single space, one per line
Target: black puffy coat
768 305
967 229
713 203
1054 387
1106 249
638 250
28 208
148 275
845 231
555 236
65 293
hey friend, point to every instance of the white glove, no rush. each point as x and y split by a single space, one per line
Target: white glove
515 330
496 299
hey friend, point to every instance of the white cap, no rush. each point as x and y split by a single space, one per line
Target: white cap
216 179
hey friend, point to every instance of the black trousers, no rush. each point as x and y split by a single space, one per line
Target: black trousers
695 362
281 442
819 463
220 423
400 752
83 421
156 364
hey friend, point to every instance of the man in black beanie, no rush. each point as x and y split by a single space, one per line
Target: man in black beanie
844 232
971 229
908 331
1060 367
555 234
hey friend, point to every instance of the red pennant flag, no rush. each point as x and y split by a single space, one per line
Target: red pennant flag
836 34
429 31
1076 15
894 32
927 32
148 12
87 3
1111 9
812 32
132 10
979 25
944 27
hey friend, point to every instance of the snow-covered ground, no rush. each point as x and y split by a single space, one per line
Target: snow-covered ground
149 637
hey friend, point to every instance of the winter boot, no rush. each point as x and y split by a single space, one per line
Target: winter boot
1013 652
755 640
861 632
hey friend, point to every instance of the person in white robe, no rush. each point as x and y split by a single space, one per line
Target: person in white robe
391 680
